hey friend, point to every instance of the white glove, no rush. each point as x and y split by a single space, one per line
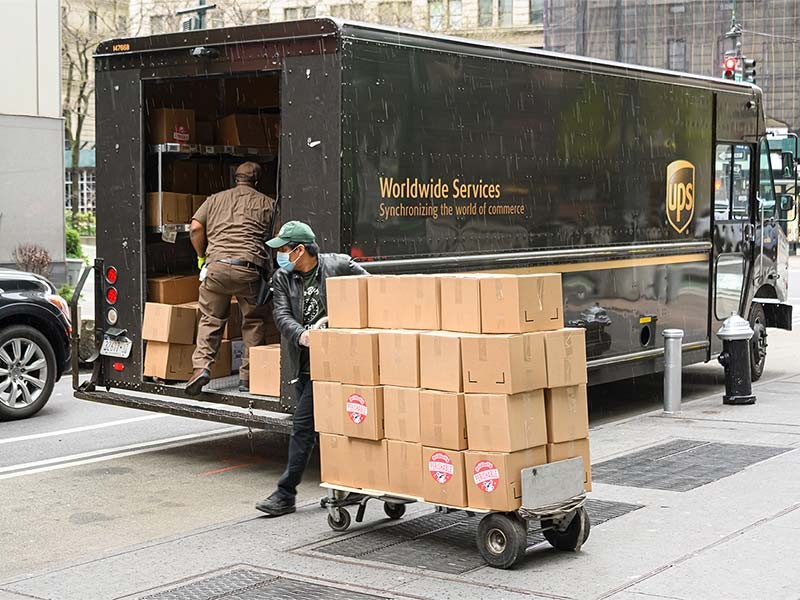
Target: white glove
305 338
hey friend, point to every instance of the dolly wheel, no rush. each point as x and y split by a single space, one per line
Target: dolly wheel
394 510
342 523
502 539
573 536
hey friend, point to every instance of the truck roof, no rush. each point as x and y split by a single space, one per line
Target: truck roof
334 29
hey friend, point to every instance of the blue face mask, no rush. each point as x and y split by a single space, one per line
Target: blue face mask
284 262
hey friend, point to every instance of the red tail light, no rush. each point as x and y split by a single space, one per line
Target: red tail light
111 275
111 295
118 366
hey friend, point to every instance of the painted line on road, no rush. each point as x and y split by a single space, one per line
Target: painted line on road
37 436
85 458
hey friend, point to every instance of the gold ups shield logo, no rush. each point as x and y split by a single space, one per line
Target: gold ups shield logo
680 194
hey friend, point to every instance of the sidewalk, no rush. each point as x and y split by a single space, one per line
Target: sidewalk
704 505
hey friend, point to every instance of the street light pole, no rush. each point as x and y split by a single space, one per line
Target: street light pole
200 12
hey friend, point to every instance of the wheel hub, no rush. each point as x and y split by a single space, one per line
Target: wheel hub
497 541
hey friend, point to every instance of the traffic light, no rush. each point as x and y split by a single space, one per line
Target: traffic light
750 70
729 67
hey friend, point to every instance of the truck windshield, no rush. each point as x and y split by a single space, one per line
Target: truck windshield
732 182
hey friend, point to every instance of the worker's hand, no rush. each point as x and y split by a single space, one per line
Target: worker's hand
305 339
201 260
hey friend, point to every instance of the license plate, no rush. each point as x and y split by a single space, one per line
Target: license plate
116 347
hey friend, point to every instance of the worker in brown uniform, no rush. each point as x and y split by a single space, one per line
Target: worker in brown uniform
229 231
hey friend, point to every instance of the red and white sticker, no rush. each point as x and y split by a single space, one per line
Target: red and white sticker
181 133
356 408
441 467
486 476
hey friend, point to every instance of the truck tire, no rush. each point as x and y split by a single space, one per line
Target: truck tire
27 372
758 343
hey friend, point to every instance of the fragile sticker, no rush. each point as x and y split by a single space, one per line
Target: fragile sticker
356 408
486 476
441 467
181 133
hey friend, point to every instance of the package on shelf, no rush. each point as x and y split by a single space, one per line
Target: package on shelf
443 422
494 479
171 126
521 303
363 411
503 363
197 202
566 357
175 209
179 176
173 289
567 411
443 477
572 449
440 361
404 302
401 413
265 370
506 422
398 352
241 130
405 467
169 323
347 302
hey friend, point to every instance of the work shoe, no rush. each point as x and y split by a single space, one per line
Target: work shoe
199 378
244 385
276 505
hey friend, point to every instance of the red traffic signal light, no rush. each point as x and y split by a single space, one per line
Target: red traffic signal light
730 64
729 68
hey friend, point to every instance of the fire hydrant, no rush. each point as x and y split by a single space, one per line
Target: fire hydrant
735 334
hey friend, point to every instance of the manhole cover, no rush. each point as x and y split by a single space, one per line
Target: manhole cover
248 584
442 542
681 465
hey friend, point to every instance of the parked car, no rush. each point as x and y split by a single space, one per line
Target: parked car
34 342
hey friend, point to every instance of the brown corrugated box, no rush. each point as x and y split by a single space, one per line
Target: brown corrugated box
363 411
347 302
503 364
401 413
328 407
180 176
173 289
405 468
521 303
461 303
175 209
171 126
571 449
357 356
197 202
443 422
494 479
399 358
171 362
265 370
404 302
354 462
505 423
241 130
323 355
168 323
567 410
440 361
334 459
566 357
222 364
443 480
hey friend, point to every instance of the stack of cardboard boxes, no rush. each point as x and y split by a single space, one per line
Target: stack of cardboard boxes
445 387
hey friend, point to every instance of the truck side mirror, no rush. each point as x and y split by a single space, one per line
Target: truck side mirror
787 165
786 203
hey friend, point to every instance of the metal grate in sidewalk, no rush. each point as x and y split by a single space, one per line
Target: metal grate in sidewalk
681 465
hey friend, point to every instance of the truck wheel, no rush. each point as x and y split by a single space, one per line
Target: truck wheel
27 372
502 539
758 343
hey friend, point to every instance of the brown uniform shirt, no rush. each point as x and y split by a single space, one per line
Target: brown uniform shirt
238 222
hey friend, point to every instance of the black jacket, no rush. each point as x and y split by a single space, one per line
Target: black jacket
287 299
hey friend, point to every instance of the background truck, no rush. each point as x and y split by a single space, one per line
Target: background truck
420 153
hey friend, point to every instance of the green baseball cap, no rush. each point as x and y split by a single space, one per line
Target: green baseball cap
293 231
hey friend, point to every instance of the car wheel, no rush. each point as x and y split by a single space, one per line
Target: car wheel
27 372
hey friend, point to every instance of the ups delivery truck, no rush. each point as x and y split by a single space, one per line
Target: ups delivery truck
650 191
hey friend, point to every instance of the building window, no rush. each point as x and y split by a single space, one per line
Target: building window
348 11
455 19
505 11
536 8
677 8
435 15
309 12
93 21
262 15
122 25
395 13
158 24
86 191
676 55
290 14
485 13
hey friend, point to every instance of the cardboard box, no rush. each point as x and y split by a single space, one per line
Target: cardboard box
180 176
571 449
237 353
347 302
197 202
357 356
175 208
443 421
521 303
204 132
173 289
328 411
169 323
233 328
567 410
505 423
461 303
354 462
171 126
443 480
566 357
399 358
401 413
210 178
170 362
241 130
494 479
363 411
405 468
440 361
222 364
322 353
404 302
503 364
265 370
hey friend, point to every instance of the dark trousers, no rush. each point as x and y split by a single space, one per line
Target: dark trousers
302 440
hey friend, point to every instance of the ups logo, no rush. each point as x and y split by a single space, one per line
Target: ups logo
680 194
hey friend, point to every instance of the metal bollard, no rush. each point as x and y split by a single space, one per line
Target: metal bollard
673 341
735 334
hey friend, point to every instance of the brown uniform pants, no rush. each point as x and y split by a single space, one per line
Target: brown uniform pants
223 281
